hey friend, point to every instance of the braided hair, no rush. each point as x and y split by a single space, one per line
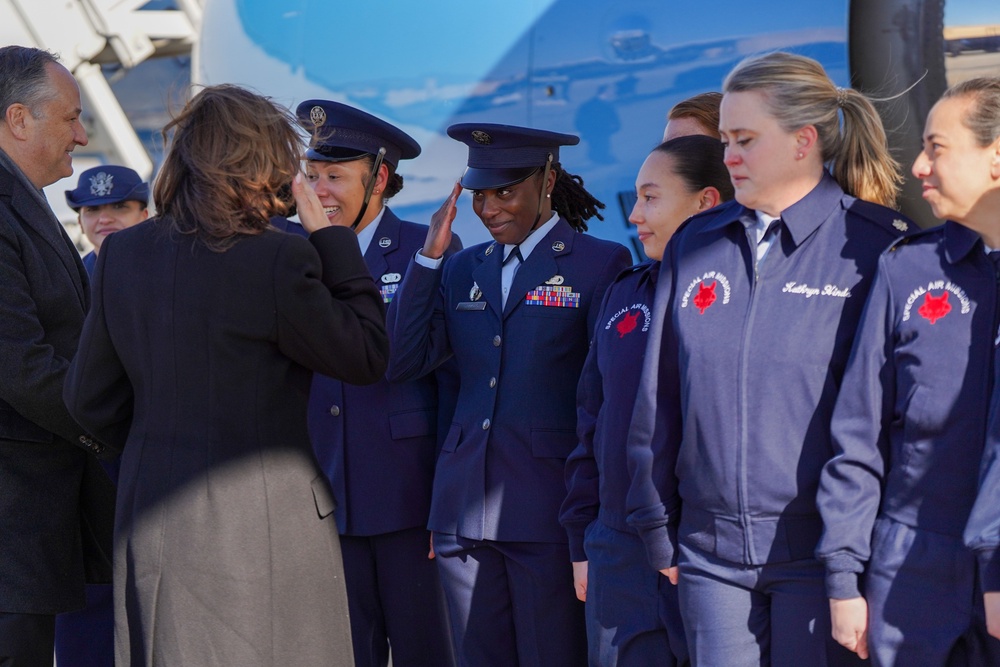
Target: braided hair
573 203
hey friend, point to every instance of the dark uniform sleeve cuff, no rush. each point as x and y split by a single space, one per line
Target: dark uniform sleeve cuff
842 585
989 569
661 546
577 554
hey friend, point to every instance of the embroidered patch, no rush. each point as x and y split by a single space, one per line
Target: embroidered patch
932 308
553 295
388 291
703 291
705 297
626 320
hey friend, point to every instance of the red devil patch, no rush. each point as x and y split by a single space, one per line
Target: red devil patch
934 308
704 298
627 324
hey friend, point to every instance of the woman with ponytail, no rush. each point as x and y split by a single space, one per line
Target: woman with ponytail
910 434
764 297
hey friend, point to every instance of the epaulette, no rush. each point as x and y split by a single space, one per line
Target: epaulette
913 236
641 266
892 221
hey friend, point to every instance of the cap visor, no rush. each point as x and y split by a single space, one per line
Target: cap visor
491 179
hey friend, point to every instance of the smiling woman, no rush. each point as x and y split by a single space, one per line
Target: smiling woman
895 500
517 314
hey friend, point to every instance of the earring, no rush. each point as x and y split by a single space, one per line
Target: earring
377 191
799 155
548 196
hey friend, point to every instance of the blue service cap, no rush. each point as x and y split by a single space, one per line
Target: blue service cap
107 184
342 133
502 155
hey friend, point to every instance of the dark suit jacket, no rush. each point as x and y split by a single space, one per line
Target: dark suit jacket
56 503
378 443
500 472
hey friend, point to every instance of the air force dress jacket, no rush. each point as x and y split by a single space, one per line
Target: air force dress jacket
597 478
378 443
500 473
760 353
56 503
908 433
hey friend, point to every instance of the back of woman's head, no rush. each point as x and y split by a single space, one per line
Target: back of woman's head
799 93
698 161
231 158
983 117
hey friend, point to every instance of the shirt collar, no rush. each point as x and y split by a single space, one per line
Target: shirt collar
959 241
800 219
533 239
366 235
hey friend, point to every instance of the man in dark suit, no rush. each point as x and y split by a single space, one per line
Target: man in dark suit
56 503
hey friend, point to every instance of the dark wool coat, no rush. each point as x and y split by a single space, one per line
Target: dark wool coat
197 364
56 503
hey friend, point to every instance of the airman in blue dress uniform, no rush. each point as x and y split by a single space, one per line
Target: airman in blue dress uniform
517 314
378 444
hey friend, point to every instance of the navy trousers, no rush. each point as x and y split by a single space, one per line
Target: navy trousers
26 640
633 617
738 616
395 600
511 604
86 638
924 601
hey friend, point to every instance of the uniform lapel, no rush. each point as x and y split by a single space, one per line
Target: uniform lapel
383 243
487 276
541 265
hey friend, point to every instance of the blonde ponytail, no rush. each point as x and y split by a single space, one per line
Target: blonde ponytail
799 93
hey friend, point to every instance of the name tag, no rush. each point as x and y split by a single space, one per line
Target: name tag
471 305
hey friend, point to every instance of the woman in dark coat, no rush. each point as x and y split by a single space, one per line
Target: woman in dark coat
196 362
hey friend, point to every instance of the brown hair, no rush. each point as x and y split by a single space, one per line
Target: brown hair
703 108
232 157
799 93
984 116
698 162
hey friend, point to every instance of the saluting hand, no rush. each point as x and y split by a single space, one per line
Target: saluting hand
439 233
849 620
310 210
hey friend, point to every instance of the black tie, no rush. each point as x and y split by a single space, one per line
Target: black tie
516 252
